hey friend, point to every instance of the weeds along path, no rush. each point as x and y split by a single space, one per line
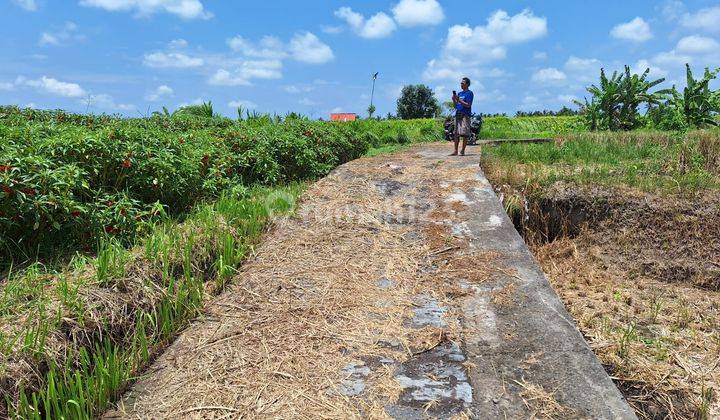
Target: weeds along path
398 289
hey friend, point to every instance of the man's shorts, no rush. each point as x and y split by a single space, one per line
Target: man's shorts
462 125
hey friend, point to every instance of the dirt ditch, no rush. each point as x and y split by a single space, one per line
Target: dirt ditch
640 273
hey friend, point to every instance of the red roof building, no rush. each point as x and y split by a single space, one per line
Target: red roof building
343 116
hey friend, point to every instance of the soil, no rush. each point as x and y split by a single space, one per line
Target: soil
640 274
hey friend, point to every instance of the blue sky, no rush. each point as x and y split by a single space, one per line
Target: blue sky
131 56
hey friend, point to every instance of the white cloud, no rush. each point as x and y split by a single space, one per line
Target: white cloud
186 9
307 102
567 99
672 58
105 102
171 60
672 9
530 103
241 103
66 35
158 93
7 86
177 44
242 74
582 64
582 69
378 26
540 55
308 48
247 61
418 12
637 30
696 44
268 47
294 89
47 38
696 50
642 65
305 47
707 19
549 75
467 47
332 30
53 86
29 5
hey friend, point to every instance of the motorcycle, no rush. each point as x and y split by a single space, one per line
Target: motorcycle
476 123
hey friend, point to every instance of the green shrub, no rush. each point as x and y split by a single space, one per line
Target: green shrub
70 180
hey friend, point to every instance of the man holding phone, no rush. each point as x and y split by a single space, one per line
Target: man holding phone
463 110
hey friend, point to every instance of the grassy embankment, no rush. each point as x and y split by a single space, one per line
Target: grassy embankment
626 226
116 230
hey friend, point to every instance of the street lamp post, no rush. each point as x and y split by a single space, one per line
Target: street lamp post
371 108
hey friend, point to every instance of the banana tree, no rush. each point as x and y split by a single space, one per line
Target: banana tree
635 92
698 104
616 100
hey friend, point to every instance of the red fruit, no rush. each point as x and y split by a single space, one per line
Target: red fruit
75 214
29 191
109 229
126 163
7 189
205 160
123 212
5 168
110 203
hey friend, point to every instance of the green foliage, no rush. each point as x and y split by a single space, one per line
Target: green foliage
528 127
615 102
204 110
207 247
652 161
67 181
696 107
417 101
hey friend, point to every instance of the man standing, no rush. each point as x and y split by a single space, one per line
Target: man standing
463 110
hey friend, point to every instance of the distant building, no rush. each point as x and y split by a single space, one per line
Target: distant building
343 116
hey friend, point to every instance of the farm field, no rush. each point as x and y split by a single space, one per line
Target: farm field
144 219
625 225
395 209
114 231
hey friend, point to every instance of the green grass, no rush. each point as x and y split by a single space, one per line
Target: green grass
529 127
650 161
124 305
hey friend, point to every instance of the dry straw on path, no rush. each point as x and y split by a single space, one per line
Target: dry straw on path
329 293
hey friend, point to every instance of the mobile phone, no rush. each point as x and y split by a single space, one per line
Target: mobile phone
454 93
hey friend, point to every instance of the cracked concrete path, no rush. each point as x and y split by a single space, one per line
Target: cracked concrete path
399 289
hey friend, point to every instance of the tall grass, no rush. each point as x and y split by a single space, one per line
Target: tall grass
650 161
122 305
